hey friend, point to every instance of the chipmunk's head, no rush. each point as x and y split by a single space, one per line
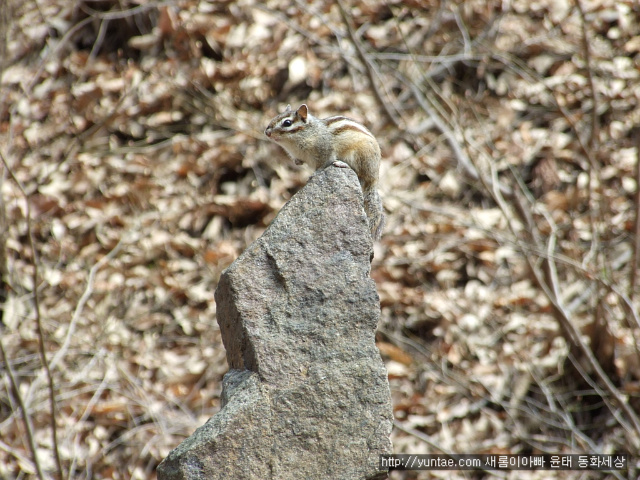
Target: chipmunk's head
287 123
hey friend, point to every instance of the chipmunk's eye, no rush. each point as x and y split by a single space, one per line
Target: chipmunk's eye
287 123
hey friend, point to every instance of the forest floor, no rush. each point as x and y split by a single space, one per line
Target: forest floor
135 170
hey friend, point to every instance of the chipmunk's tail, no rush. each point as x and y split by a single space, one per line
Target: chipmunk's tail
375 212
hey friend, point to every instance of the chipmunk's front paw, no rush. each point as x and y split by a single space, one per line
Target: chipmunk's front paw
340 164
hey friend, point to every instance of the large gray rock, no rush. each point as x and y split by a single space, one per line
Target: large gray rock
307 395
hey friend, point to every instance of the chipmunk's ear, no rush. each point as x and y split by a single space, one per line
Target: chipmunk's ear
303 112
288 109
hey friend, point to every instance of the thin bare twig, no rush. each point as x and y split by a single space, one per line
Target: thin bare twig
593 135
421 436
601 393
463 30
586 49
83 300
295 25
397 424
23 410
635 258
369 68
126 13
40 330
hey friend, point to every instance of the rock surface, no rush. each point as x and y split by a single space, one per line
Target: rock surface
307 395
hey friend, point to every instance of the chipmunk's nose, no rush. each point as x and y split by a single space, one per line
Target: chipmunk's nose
267 132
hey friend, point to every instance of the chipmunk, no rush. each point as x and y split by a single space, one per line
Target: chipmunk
337 141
